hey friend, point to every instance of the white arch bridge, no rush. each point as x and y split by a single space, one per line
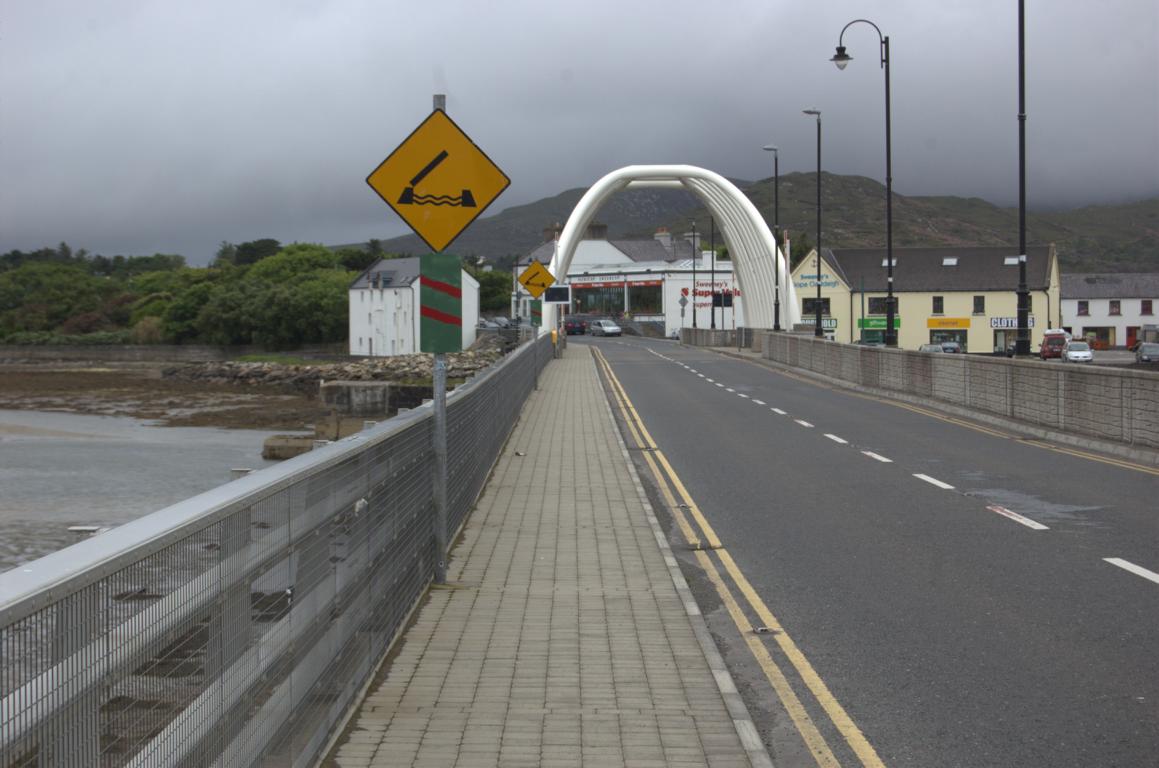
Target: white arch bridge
758 265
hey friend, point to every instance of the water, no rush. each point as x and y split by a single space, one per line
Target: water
62 469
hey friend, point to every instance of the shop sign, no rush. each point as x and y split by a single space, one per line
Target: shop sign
948 322
877 323
810 281
1010 322
827 323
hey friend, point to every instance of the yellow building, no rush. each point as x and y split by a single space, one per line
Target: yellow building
968 295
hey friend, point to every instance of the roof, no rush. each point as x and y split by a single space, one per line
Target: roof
640 251
927 269
393 273
1104 285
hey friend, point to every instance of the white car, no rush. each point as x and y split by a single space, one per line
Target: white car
603 328
1077 352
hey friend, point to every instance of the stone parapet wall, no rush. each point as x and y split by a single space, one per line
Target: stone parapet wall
173 353
1105 403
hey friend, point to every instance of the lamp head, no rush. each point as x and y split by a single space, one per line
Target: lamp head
815 112
770 148
841 58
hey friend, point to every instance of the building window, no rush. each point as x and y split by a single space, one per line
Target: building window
1084 307
645 299
939 307
809 307
1115 307
878 305
979 305
1145 307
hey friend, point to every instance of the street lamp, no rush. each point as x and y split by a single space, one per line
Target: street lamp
776 236
712 279
1022 340
841 59
817 331
694 274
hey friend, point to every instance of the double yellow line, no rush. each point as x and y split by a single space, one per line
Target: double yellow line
703 539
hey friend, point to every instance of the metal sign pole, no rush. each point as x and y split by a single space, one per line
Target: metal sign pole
440 448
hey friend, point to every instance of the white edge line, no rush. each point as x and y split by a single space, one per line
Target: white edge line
1018 518
1138 570
837 439
878 456
935 481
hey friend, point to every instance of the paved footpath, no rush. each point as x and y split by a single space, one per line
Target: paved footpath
566 635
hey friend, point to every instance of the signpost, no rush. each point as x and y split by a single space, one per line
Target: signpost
438 181
536 279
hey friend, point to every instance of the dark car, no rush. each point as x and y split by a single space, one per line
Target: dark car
1147 352
575 326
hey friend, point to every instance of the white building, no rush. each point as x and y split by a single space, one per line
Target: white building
1109 309
384 309
642 281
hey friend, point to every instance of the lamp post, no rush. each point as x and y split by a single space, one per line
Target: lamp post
694 274
776 236
712 279
1022 340
841 59
817 330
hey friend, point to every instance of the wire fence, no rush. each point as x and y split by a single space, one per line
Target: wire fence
236 628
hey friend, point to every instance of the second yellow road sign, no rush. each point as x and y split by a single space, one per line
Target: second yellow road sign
536 279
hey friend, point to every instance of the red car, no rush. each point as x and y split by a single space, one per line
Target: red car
575 326
1052 346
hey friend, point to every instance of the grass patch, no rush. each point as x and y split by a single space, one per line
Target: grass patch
273 357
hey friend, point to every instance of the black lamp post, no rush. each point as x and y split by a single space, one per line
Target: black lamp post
712 250
841 59
1022 340
693 274
776 236
817 330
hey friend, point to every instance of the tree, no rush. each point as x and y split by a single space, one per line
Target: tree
226 254
356 259
292 261
494 292
256 250
800 249
374 248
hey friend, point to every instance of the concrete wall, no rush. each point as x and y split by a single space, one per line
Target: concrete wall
1111 404
177 353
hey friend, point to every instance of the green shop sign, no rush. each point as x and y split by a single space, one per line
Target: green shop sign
877 323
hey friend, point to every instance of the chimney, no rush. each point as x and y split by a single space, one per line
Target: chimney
551 232
663 237
596 232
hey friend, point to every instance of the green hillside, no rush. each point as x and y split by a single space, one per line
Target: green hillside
1112 238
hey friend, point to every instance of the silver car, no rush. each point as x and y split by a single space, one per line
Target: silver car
604 328
1077 352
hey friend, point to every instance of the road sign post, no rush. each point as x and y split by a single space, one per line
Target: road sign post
438 181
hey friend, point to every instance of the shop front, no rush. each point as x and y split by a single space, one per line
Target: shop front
949 329
873 328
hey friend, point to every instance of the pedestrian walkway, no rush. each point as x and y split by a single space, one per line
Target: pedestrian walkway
566 635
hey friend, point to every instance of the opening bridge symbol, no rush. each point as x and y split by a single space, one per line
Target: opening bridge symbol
410 197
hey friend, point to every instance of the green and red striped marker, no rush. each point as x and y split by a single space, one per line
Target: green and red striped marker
440 303
537 313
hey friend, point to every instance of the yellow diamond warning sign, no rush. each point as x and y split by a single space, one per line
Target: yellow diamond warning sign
536 279
438 180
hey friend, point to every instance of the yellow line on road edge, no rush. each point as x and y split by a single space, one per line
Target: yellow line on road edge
841 720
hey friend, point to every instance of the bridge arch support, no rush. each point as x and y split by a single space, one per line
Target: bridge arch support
751 246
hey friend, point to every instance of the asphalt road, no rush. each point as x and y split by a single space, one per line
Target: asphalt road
952 633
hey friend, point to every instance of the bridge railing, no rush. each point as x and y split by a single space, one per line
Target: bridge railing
236 628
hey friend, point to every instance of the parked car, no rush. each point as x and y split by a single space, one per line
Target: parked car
1052 346
1147 352
485 325
930 348
575 326
603 328
1077 352
951 346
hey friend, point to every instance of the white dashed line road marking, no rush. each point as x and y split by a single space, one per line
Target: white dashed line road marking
718 383
1018 518
1135 569
730 389
935 481
778 411
701 375
803 423
878 456
837 439
758 402
711 381
742 394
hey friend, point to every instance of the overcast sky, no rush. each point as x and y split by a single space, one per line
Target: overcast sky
149 126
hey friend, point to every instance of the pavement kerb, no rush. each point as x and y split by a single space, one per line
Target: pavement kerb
1140 455
745 727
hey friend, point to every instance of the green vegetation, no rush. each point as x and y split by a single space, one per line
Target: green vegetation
274 357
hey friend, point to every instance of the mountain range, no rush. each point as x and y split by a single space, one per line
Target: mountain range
1103 238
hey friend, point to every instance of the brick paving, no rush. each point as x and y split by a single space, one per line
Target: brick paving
564 636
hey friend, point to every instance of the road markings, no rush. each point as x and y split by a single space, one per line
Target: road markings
803 423
693 370
837 439
778 411
759 402
935 481
742 394
1018 518
878 456
711 381
730 389
1138 570
844 724
701 375
717 383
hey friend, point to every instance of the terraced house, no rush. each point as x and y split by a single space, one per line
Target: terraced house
1110 310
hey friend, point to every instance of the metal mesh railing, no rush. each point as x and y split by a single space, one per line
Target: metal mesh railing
237 627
